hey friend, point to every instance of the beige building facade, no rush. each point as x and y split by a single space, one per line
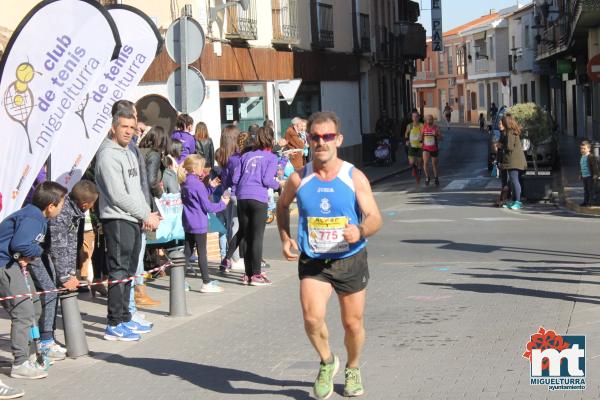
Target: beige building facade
348 55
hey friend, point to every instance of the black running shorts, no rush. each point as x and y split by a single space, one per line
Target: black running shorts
346 275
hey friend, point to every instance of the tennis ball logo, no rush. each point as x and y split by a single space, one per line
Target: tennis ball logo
25 73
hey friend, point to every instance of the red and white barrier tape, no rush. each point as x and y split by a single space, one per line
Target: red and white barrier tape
87 284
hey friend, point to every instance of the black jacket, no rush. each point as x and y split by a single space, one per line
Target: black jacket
152 159
62 239
206 149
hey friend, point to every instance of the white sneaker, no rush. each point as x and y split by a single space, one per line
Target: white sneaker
238 265
211 287
7 392
137 317
57 347
27 370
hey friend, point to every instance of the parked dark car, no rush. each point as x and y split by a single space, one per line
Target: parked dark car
546 151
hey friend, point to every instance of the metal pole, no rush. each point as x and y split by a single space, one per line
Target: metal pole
184 61
73 326
277 117
177 298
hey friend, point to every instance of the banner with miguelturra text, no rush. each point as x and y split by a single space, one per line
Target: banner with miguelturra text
91 121
50 62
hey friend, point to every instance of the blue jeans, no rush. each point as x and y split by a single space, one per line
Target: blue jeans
271 201
139 280
232 230
514 177
222 236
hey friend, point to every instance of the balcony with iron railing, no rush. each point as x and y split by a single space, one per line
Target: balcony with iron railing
285 21
242 24
554 38
383 44
322 22
412 40
482 65
584 14
425 76
364 33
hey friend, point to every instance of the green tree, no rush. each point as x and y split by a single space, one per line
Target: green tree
534 124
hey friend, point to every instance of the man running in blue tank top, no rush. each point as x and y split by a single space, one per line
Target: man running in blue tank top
337 212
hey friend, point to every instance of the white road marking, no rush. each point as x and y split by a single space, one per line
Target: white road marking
457 184
397 208
494 184
419 221
494 219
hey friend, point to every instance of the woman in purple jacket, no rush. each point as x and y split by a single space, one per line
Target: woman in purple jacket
228 157
253 178
195 197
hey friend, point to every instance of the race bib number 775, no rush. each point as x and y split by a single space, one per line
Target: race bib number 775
326 235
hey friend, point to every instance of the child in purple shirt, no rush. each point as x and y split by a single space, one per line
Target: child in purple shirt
197 203
183 127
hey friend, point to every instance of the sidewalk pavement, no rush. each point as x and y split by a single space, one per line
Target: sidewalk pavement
571 187
376 173
93 315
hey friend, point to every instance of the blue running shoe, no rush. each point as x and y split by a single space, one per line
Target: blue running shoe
120 332
136 327
517 205
508 204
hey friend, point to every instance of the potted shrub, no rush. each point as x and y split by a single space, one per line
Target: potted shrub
535 130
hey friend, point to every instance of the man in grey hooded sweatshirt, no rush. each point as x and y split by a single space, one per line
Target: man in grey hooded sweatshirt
123 211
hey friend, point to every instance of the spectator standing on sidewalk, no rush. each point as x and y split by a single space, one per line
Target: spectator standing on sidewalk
493 111
149 187
123 211
58 267
170 181
228 159
293 137
197 203
183 126
155 145
21 236
204 145
253 178
514 161
588 173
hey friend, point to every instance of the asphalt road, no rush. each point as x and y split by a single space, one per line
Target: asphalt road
457 287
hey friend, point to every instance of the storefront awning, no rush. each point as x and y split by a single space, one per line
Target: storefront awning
479 35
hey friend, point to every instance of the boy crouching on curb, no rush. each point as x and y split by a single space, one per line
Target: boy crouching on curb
58 269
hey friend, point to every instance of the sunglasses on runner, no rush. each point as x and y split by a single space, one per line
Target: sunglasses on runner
327 137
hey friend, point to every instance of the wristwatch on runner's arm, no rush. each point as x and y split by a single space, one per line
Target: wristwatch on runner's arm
362 232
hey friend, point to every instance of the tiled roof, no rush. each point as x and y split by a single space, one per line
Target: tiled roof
475 22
